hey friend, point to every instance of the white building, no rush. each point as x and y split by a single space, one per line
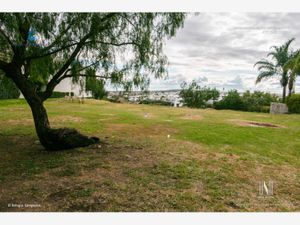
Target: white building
66 85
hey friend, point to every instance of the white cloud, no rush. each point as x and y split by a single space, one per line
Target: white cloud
223 47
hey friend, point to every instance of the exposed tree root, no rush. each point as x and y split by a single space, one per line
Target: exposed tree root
68 138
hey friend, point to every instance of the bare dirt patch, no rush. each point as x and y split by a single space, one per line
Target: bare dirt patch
262 115
245 123
65 119
16 109
147 115
192 117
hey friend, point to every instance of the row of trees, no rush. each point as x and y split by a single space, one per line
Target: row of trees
257 101
195 96
281 61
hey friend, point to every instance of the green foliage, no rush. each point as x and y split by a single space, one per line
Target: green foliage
123 48
293 66
232 100
57 94
293 103
280 57
253 102
96 86
8 89
41 69
155 102
258 101
196 96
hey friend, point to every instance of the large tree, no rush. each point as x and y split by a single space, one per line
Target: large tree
280 55
39 50
293 66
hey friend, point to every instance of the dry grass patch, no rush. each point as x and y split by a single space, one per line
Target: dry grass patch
286 189
137 130
18 122
153 174
66 119
246 123
192 117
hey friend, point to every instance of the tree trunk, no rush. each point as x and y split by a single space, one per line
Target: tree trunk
291 84
290 91
284 93
51 139
41 121
56 139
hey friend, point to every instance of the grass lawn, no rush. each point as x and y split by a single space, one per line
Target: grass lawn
153 158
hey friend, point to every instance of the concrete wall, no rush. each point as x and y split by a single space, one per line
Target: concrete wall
278 108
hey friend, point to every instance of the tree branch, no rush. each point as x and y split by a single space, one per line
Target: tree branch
83 75
83 68
51 53
128 20
116 44
88 66
24 27
58 38
55 79
73 44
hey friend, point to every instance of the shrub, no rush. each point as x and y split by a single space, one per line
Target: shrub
265 109
232 100
258 101
293 103
253 102
97 87
155 102
57 94
195 96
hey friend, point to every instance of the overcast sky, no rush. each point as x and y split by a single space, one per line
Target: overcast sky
220 49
